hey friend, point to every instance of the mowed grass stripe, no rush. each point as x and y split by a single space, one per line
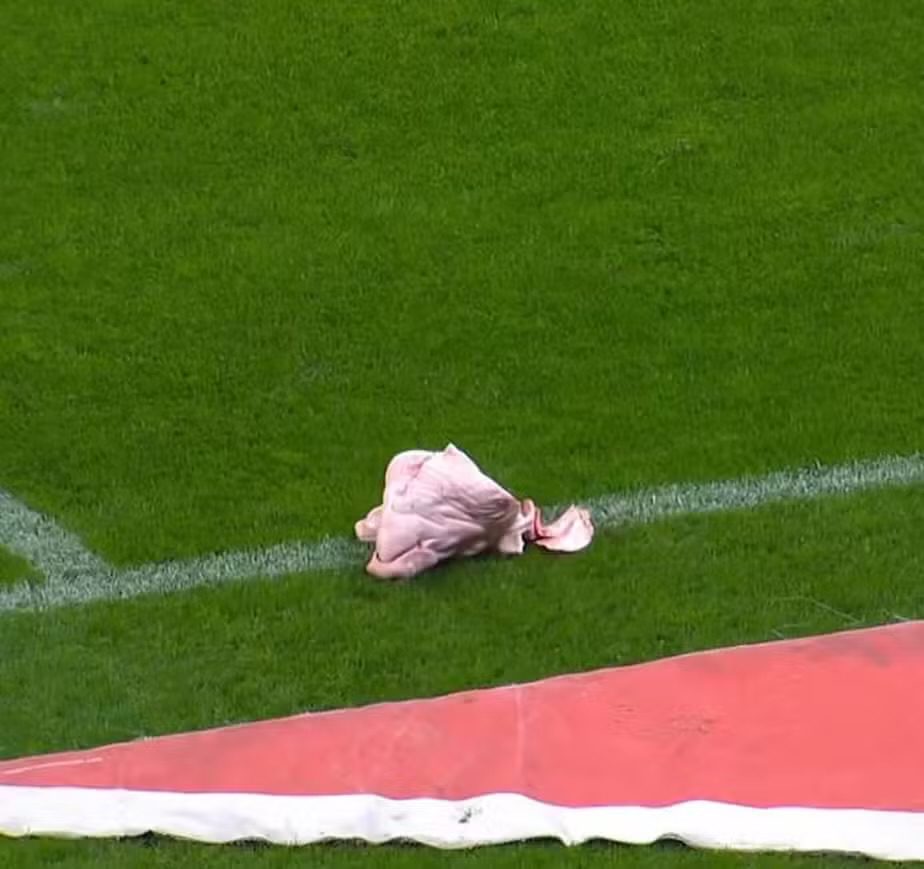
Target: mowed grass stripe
76 576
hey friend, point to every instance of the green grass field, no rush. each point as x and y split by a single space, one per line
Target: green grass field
13 568
250 250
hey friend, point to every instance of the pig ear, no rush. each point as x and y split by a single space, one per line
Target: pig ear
570 532
367 529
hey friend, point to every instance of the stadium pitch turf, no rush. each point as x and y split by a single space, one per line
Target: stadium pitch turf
250 250
14 569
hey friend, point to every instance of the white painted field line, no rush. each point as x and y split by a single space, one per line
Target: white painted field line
802 484
74 575
42 542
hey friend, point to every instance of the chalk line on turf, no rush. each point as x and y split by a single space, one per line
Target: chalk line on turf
74 575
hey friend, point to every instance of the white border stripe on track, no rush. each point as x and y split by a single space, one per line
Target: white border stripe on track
74 575
490 819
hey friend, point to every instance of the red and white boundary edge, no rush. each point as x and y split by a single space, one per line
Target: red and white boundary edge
485 820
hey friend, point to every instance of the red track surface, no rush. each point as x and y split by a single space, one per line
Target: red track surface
831 722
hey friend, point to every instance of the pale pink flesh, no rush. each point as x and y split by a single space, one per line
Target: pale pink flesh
439 505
